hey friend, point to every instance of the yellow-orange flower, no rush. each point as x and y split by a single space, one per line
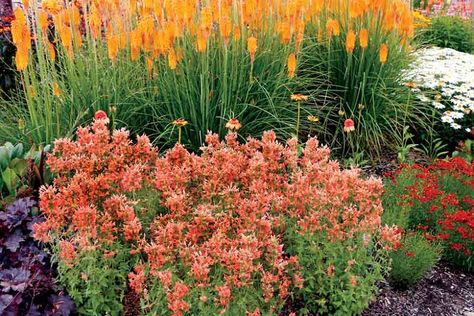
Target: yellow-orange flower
298 97
364 38
291 65
180 122
350 41
383 53
56 90
313 118
233 124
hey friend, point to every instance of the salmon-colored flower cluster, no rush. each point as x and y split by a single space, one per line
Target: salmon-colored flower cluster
92 175
217 236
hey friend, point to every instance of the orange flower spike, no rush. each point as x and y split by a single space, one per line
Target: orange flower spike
364 38
172 59
237 33
21 58
43 20
201 44
225 28
252 47
332 28
350 42
285 33
383 53
113 46
149 65
292 65
52 51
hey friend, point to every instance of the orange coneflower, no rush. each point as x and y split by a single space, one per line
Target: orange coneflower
291 65
383 53
350 41
364 38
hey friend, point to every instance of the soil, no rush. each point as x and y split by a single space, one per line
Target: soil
445 291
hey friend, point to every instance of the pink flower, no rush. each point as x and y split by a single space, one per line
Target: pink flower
349 126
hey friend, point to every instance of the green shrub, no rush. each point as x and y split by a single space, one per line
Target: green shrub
339 277
97 284
450 32
413 260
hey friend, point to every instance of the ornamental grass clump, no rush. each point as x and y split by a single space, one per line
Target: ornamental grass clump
363 46
215 233
206 62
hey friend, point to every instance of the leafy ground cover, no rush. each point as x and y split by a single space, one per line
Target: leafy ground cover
27 281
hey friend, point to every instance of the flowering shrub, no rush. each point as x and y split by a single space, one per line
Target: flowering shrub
444 80
226 231
439 202
89 217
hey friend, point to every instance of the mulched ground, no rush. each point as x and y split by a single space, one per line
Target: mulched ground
445 291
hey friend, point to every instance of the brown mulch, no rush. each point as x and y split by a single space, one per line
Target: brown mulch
131 303
445 291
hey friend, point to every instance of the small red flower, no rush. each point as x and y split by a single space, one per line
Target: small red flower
409 254
456 246
349 126
100 115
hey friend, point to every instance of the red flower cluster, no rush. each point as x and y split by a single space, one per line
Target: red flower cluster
441 199
218 231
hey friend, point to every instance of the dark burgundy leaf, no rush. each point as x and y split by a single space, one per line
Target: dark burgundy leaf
5 300
15 279
62 305
33 311
14 240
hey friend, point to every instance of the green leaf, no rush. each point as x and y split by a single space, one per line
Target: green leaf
17 151
11 180
19 166
4 157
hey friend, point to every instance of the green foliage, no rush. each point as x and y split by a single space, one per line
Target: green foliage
340 276
413 260
13 167
448 31
16 163
97 284
465 150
